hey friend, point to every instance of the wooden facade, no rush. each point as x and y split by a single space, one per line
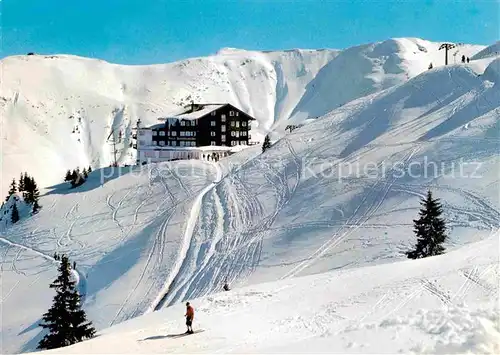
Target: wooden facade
204 125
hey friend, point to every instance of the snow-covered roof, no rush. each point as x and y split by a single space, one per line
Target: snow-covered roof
189 115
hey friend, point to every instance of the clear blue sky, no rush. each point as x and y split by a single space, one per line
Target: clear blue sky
156 31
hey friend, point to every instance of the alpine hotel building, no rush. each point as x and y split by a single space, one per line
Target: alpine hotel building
200 128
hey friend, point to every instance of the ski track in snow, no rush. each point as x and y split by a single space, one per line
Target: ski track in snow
188 233
340 235
81 281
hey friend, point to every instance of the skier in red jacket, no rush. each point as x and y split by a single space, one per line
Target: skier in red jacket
189 318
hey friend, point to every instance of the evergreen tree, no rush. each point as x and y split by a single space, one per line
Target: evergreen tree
25 180
430 66
68 176
74 176
430 229
14 217
90 169
32 193
84 172
28 187
65 320
267 144
12 190
21 183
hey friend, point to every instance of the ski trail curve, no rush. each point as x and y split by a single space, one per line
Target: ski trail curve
188 233
80 280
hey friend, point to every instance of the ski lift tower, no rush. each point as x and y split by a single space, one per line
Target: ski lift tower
446 47
134 137
112 136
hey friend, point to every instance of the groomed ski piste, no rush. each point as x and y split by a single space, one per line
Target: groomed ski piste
334 200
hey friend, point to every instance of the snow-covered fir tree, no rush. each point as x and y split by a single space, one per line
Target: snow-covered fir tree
66 321
12 190
68 175
430 229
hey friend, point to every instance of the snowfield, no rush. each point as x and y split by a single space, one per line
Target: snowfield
447 305
311 234
67 106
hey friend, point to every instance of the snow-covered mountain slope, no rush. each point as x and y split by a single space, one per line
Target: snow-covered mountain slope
338 193
124 229
445 305
490 51
67 106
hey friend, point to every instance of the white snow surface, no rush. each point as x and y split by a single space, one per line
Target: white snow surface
441 305
335 198
66 106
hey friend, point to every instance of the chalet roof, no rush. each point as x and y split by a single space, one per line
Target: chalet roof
189 114
200 113
193 115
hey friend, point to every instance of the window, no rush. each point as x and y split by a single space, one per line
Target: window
212 134
182 133
233 133
174 133
213 113
193 144
157 143
237 124
212 123
141 133
162 143
231 113
233 143
223 118
162 133
232 124
244 134
212 143
194 134
243 124
237 113
155 133
223 128
237 134
243 143
183 123
223 138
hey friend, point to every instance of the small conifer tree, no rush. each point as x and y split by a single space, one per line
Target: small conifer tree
430 230
21 183
12 190
66 321
267 144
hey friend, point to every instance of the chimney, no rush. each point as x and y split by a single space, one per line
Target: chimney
192 106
